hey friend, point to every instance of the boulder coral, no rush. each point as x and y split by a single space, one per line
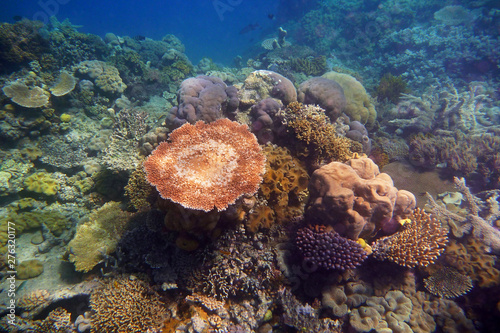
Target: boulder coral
358 102
205 98
262 84
324 92
206 166
356 199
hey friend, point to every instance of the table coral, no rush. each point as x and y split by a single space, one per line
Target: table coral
64 85
20 93
356 199
206 166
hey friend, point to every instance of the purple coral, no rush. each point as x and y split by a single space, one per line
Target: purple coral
204 98
265 122
326 93
323 247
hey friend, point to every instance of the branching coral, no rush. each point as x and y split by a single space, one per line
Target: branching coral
419 243
206 165
481 216
313 128
125 304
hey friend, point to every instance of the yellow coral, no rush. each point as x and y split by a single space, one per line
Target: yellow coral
98 236
359 106
42 182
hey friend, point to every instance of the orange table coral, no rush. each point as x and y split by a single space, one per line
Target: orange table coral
206 165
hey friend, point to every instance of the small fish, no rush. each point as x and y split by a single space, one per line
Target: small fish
248 28
20 286
271 16
17 18
139 37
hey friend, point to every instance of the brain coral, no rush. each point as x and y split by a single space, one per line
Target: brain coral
356 199
359 106
326 93
206 165
419 243
205 98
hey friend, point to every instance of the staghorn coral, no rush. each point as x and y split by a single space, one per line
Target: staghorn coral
36 299
314 130
481 217
138 189
356 199
358 102
206 165
58 321
309 66
391 87
322 247
98 236
25 96
126 304
419 243
64 85
447 282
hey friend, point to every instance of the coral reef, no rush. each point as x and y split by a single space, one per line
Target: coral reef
126 304
317 136
206 165
420 242
42 182
322 247
20 93
356 199
481 219
448 283
262 84
205 98
358 105
106 77
98 236
325 93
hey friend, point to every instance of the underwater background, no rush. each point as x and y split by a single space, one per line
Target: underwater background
250 166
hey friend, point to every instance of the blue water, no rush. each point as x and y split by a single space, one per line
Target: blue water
207 28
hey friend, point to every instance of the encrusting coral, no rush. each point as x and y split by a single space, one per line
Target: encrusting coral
206 166
126 304
419 243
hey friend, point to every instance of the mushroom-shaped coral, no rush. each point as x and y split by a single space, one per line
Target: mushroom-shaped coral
205 98
356 199
206 165
422 240
322 247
